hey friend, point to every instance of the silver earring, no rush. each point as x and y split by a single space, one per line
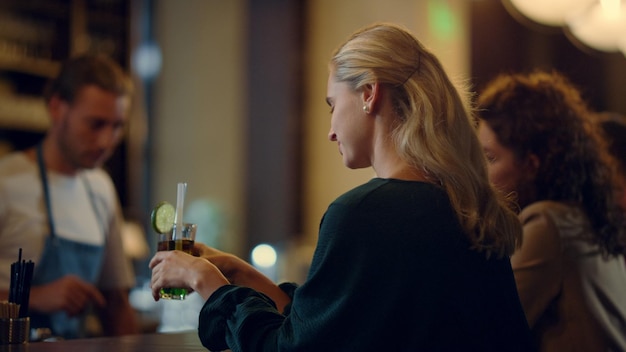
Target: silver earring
366 109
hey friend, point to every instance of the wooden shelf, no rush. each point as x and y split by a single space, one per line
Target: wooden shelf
47 8
29 65
35 37
23 113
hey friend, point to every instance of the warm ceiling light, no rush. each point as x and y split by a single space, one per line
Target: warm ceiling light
603 27
598 24
550 12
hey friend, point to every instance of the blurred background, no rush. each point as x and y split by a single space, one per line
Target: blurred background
231 96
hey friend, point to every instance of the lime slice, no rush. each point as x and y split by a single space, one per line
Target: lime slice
162 217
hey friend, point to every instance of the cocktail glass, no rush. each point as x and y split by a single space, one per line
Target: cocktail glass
182 241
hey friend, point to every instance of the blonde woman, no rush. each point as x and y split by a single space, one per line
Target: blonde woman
415 259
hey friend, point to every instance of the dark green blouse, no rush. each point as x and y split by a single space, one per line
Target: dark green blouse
392 271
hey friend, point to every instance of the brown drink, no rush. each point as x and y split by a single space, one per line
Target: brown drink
179 245
169 242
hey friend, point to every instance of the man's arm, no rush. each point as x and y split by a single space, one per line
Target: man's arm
69 294
118 316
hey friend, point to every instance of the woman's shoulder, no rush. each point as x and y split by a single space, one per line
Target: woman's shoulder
553 209
392 200
570 221
379 189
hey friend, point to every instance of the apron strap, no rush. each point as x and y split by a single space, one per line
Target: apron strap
46 191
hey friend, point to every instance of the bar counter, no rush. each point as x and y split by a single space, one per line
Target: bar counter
153 342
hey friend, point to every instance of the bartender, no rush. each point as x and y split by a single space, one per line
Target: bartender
62 209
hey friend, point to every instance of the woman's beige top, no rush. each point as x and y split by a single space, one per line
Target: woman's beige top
574 299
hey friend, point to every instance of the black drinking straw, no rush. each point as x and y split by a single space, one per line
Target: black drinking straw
27 275
15 273
21 276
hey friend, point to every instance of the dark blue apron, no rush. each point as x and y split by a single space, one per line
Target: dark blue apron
64 257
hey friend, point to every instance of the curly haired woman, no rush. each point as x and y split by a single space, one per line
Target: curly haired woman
544 148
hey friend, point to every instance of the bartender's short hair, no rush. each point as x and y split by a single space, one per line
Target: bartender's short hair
88 69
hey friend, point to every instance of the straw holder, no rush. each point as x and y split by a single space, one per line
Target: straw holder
14 330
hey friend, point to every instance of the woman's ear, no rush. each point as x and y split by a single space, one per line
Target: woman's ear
371 96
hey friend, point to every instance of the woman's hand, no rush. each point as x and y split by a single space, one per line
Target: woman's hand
179 269
241 273
235 269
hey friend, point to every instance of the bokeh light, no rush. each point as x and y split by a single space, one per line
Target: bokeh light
264 256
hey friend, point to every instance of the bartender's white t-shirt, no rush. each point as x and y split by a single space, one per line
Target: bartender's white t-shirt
24 219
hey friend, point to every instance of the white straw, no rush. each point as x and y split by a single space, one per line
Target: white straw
180 203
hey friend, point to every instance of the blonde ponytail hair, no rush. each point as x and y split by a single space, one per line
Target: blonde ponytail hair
434 128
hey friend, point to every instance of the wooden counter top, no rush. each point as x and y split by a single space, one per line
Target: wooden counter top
154 342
